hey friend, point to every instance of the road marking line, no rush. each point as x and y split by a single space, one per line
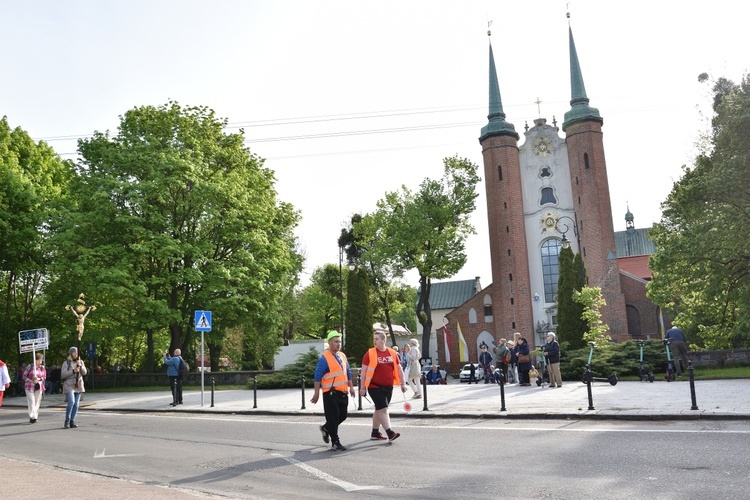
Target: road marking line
104 455
346 486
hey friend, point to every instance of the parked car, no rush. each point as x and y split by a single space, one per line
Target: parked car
466 372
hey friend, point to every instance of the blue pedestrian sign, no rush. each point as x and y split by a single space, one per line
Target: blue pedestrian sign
202 321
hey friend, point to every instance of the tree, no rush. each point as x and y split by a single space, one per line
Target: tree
570 324
701 266
592 301
318 303
358 314
174 215
427 230
33 187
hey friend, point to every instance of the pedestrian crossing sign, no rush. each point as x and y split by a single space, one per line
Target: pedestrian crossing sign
202 321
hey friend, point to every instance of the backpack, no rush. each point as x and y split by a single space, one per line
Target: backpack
184 369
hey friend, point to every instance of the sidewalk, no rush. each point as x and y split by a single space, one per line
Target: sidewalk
660 400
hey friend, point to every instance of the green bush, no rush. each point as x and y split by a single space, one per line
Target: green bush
621 359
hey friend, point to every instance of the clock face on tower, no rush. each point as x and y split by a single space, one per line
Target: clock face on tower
542 146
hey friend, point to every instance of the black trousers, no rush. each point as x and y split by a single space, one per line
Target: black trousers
176 385
335 409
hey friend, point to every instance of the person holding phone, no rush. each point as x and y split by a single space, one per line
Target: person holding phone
72 372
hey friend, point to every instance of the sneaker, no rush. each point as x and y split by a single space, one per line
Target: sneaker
324 432
393 436
417 396
73 425
377 436
337 447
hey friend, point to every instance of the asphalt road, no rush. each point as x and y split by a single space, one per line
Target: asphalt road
278 456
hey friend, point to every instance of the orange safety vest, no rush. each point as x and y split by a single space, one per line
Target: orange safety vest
369 370
336 377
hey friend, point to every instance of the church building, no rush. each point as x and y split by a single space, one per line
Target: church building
548 191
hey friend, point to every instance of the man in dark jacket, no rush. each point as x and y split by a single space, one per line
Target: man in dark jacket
678 346
552 353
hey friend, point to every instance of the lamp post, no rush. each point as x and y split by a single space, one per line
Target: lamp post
341 293
565 241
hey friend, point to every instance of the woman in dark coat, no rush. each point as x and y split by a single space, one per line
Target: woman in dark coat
522 347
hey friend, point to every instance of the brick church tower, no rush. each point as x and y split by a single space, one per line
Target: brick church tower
548 192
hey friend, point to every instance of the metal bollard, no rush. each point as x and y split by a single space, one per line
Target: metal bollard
255 391
692 386
303 392
359 394
423 381
589 378
502 391
213 389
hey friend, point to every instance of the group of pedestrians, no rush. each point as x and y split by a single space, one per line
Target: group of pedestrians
34 377
381 372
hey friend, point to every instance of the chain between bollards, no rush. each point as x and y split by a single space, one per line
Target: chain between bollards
255 391
303 392
213 389
692 386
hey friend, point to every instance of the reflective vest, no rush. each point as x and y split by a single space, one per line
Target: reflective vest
369 370
336 376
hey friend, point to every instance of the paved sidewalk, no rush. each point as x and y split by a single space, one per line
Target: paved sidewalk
660 400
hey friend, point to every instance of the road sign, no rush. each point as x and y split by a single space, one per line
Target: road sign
90 350
33 340
202 321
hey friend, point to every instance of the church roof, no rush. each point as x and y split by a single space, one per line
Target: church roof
451 294
580 110
497 124
633 242
637 266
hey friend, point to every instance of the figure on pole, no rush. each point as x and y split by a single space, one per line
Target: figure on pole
80 311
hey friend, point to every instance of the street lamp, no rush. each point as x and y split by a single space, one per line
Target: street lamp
341 293
565 240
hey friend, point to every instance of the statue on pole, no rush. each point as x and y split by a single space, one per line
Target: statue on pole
80 311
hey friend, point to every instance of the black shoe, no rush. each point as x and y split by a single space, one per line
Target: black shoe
67 423
32 420
172 404
73 425
392 436
324 432
337 447
179 403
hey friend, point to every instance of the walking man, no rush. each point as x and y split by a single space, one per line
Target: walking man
332 374
380 372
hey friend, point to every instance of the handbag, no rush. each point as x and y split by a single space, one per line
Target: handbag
524 358
37 386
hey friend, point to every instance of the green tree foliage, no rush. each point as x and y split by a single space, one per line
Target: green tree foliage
318 304
358 314
592 301
33 187
290 376
174 215
571 326
427 230
701 270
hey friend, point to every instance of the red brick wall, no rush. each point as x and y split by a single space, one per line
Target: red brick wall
635 296
511 289
596 232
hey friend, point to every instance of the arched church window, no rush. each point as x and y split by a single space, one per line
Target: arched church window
548 196
472 315
550 267
487 301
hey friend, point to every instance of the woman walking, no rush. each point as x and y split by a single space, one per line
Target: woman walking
33 383
414 369
73 371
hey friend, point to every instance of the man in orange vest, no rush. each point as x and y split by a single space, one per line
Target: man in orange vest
333 375
380 372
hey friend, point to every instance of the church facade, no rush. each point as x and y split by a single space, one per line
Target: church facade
548 191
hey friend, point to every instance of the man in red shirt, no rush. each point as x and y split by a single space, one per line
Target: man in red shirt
380 372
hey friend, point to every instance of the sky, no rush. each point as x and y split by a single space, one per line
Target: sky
348 100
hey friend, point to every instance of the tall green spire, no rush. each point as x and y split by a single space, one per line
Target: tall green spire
580 110
497 124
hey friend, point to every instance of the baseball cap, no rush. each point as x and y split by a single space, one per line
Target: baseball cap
332 334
